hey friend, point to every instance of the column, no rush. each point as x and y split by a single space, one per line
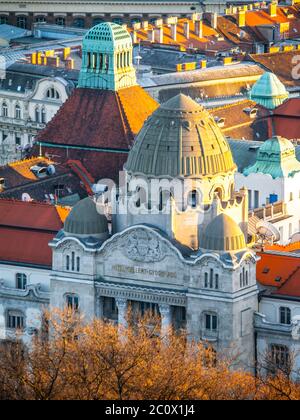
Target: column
122 312
166 318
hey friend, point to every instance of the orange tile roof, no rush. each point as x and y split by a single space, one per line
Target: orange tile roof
192 42
274 268
22 167
292 285
262 17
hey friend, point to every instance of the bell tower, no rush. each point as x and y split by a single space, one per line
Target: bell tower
107 58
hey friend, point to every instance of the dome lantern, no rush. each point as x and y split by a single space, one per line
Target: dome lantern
268 91
107 58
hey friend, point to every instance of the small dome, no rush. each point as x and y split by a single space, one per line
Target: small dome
180 139
223 234
268 91
84 219
275 157
107 33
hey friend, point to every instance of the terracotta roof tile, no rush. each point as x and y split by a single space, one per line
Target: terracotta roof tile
274 269
26 228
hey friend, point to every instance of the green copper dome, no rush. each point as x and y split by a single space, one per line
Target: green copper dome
223 234
268 91
180 139
84 220
107 58
276 157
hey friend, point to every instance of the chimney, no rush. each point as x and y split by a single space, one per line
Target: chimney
145 24
69 64
214 20
273 9
159 32
186 29
199 28
67 52
2 184
241 18
202 64
134 36
174 31
136 26
53 61
151 35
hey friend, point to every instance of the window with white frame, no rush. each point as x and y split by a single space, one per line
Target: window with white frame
211 322
18 114
4 110
43 115
284 315
37 114
15 319
21 281
22 22
280 357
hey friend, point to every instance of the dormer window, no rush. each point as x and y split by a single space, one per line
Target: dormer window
52 94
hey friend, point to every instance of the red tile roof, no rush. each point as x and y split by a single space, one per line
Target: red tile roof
26 228
286 119
275 268
292 286
29 215
98 119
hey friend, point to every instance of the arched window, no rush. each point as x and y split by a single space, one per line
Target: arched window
40 19
67 262
15 319
78 264
52 94
21 281
72 301
97 20
37 114
18 112
4 110
60 21
79 22
3 20
21 22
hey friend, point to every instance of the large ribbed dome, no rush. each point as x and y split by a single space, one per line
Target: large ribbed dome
223 234
180 139
84 219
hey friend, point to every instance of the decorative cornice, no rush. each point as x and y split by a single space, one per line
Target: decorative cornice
144 294
31 292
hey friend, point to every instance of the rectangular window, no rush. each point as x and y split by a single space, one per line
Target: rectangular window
285 315
256 199
280 356
211 278
15 320
250 198
211 322
73 302
21 280
216 281
206 280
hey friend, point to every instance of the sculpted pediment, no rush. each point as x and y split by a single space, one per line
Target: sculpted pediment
141 245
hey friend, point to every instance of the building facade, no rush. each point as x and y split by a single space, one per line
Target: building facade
28 101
